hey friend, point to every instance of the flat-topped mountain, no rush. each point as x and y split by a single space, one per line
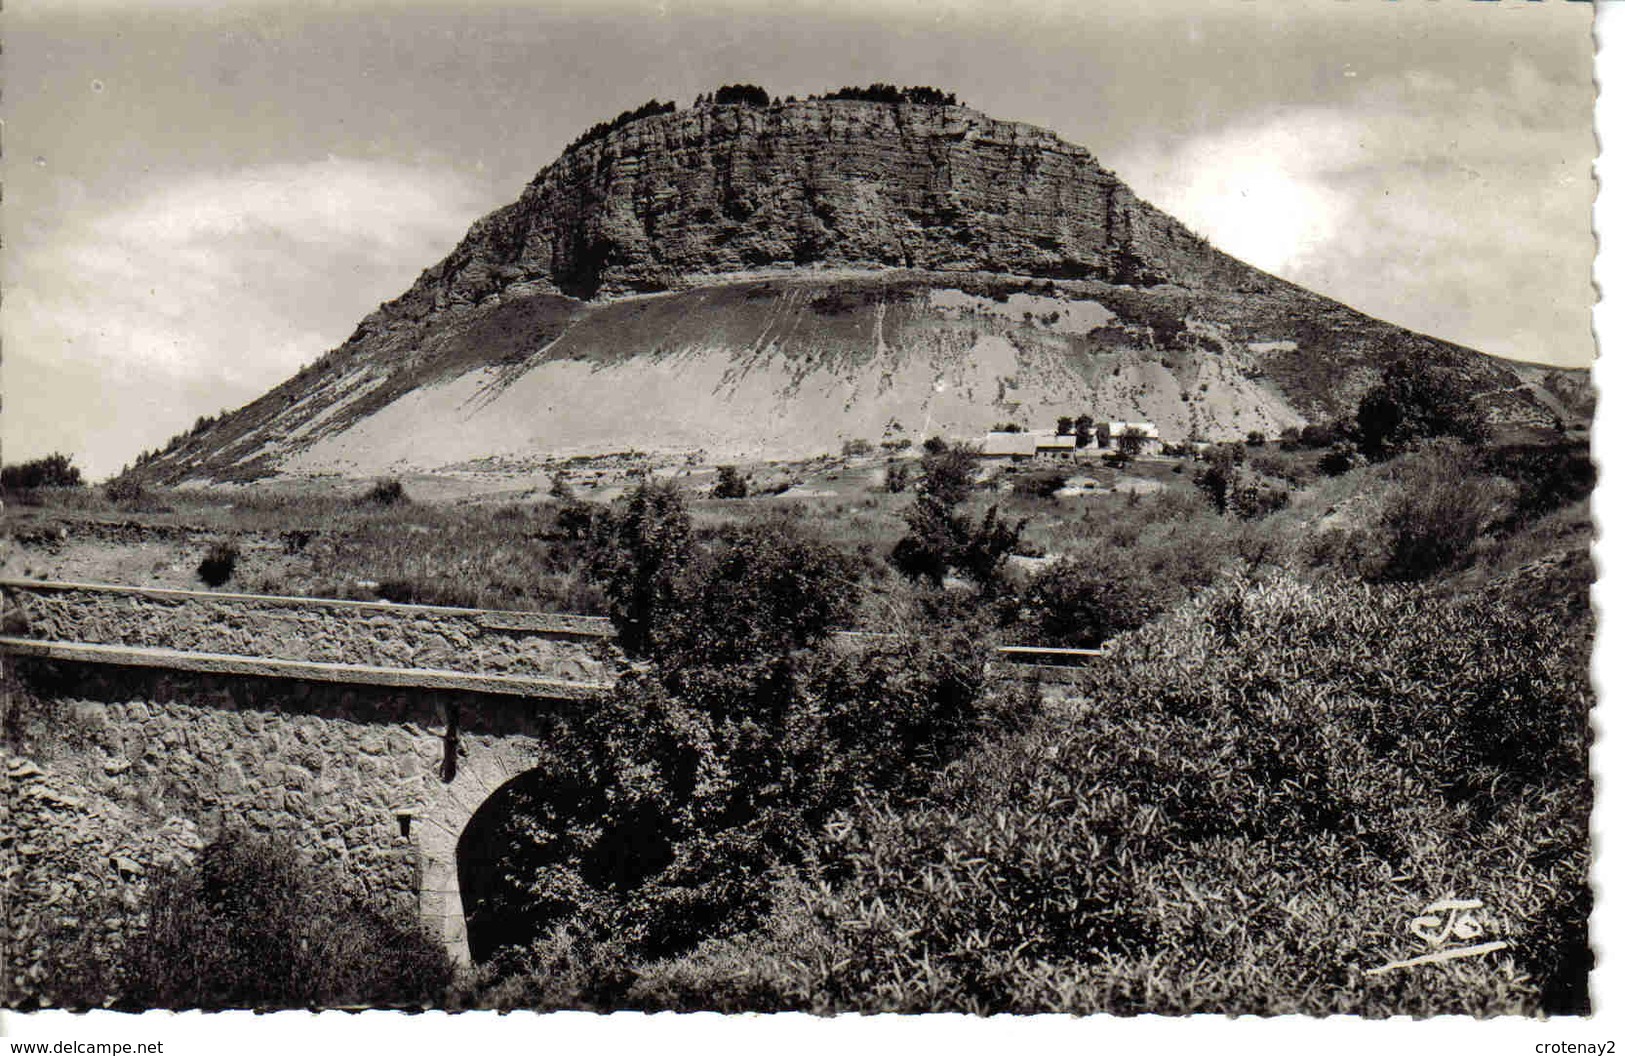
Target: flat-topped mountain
772 280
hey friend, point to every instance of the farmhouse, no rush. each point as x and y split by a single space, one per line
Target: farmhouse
1109 436
1017 447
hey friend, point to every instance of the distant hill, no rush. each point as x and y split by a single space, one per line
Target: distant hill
770 280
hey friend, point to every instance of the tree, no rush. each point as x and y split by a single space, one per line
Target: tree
741 95
940 537
1133 441
1413 402
764 592
730 485
1063 426
52 471
641 560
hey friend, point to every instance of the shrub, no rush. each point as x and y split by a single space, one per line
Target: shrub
386 493
858 448
1079 603
764 590
576 521
656 815
934 445
1040 485
1547 476
1267 784
124 489
218 564
729 485
898 477
52 471
1250 495
1431 516
251 926
1338 459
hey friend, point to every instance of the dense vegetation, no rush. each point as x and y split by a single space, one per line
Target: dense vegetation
921 95
52 471
621 120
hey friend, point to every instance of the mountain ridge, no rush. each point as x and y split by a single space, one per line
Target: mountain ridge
821 217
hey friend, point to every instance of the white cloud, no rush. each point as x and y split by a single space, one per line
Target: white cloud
1461 213
122 326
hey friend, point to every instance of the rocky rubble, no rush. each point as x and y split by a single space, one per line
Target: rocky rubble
75 865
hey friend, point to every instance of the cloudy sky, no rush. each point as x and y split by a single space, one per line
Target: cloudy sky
201 197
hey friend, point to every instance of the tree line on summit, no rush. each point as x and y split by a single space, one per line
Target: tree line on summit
756 95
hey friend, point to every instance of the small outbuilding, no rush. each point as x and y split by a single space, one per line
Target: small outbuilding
1053 447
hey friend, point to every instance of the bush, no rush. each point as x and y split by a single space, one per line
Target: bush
1338 459
656 815
642 553
898 477
1433 513
124 489
1268 784
218 564
858 448
251 926
386 493
1040 485
730 485
1079 603
52 471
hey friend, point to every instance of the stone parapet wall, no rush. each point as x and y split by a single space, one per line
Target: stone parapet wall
376 783
573 648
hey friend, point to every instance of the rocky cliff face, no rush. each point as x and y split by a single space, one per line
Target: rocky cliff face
745 282
721 189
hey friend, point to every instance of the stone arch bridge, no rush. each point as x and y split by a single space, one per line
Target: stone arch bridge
367 733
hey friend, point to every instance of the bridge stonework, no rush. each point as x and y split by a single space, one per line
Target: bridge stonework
375 771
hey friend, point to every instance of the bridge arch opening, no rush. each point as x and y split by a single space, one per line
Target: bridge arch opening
545 847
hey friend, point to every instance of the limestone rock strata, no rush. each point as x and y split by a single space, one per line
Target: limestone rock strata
719 189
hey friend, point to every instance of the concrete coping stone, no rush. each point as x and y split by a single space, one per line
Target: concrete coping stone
353 674
492 619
